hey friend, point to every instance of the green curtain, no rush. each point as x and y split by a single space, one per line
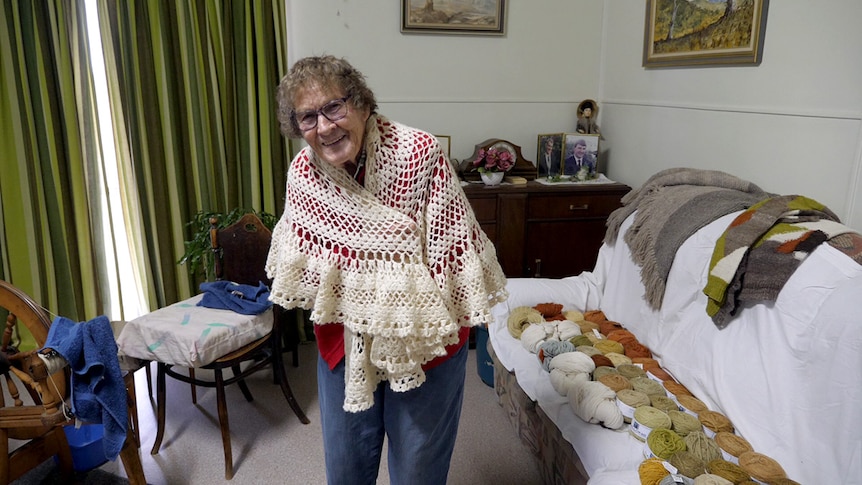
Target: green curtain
48 156
192 86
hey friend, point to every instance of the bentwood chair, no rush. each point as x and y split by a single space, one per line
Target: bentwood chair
40 423
240 256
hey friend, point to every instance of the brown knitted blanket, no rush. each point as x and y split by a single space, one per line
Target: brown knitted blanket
671 206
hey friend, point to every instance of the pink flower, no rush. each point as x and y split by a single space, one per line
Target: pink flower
493 160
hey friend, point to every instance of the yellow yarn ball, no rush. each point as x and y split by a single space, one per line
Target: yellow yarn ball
683 423
648 386
652 471
630 370
665 403
617 358
702 446
609 346
603 370
728 470
573 316
521 318
761 467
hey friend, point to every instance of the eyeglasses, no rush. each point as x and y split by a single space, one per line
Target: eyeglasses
332 111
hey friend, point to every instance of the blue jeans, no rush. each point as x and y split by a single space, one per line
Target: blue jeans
421 425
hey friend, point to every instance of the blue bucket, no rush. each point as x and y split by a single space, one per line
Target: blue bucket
88 449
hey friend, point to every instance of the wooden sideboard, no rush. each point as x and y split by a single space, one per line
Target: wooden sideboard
542 230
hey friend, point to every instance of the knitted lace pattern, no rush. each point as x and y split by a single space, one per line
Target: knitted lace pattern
401 263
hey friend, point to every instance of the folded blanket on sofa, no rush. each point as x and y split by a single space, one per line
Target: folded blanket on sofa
671 206
762 248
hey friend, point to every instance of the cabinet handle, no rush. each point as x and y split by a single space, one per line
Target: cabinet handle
538 273
573 207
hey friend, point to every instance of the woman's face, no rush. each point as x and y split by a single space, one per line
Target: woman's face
335 142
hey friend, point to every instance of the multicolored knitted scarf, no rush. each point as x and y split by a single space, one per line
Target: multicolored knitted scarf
762 248
401 262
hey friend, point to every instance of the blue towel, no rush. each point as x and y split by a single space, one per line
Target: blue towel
98 390
245 299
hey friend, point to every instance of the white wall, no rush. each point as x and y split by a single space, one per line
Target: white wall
791 125
469 87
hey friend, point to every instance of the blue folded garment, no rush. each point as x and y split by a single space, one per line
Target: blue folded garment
226 295
98 390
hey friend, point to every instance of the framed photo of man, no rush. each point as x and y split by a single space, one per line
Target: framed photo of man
580 156
549 155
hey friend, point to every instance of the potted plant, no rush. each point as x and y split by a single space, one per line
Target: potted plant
199 254
492 164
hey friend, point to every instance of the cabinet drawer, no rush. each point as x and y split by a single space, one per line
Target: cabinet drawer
571 206
485 209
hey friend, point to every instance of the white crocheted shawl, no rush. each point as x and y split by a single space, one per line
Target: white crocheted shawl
401 262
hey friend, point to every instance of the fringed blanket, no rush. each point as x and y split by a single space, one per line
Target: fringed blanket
762 248
671 206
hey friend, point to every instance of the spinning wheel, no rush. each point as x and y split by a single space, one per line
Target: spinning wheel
35 420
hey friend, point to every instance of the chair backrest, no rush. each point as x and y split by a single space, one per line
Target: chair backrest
241 250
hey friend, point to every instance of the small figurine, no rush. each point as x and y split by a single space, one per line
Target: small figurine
586 122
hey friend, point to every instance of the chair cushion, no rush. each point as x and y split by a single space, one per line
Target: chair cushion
189 335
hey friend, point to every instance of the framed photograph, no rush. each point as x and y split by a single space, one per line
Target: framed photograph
580 157
549 154
683 33
445 142
453 17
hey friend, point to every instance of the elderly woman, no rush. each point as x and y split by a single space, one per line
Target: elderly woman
378 239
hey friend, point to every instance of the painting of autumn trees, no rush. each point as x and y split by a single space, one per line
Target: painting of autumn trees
703 31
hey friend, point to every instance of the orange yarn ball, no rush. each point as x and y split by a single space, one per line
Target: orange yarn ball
676 388
601 360
595 316
652 471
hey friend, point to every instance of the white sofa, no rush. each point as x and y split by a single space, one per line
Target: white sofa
787 374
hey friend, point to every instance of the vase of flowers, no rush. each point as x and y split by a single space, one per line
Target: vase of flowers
492 164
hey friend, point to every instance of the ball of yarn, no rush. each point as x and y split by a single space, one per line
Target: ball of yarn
521 318
617 358
574 316
637 350
573 362
595 316
702 446
609 346
586 326
652 471
587 349
630 370
533 336
549 309
732 444
593 337
563 382
659 373
683 423
647 386
646 362
602 360
665 404
622 336
676 388
688 464
594 402
691 404
647 419
582 341
715 421
609 326
615 381
602 370
631 400
567 330
761 467
663 443
676 480
710 479
728 470
552 348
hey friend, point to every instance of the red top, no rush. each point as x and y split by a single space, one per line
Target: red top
330 342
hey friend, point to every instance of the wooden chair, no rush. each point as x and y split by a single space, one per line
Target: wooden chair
240 255
41 423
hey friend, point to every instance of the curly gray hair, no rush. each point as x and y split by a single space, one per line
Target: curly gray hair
325 72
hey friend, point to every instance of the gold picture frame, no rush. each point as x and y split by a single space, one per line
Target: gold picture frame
453 17
682 33
549 155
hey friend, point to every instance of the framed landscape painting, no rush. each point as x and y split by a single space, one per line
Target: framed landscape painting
487 17
704 32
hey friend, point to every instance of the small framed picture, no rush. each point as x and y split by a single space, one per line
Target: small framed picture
549 150
580 156
445 141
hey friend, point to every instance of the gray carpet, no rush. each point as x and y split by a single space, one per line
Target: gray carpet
271 446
